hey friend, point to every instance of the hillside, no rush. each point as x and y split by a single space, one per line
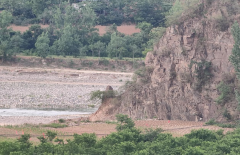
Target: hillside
188 75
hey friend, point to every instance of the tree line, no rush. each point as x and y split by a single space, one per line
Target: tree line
72 31
128 140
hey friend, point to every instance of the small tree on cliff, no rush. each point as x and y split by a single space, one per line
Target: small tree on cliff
235 56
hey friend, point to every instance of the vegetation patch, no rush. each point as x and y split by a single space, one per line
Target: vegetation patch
55 125
144 74
100 95
226 93
202 73
222 23
223 125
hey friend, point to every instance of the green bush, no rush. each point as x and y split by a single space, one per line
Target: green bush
225 93
211 122
61 120
100 95
223 125
203 73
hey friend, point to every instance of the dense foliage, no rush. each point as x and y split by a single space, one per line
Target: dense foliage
130 140
72 31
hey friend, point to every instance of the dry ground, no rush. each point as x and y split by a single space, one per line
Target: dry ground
101 129
24 28
126 29
45 88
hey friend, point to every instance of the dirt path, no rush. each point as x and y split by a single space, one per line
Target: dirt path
64 83
25 69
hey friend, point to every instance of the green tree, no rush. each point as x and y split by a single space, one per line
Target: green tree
42 45
97 47
235 56
5 20
116 46
68 43
124 122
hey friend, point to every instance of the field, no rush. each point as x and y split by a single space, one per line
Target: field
101 129
126 29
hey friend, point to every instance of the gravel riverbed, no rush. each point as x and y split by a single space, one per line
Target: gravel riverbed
64 89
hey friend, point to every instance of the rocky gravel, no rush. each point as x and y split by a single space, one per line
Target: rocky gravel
29 88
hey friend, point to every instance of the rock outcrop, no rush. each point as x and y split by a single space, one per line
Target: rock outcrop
176 90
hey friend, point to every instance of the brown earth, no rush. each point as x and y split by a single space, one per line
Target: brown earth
24 28
101 129
126 29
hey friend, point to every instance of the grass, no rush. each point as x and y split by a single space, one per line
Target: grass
5 139
33 129
111 122
222 125
55 125
85 58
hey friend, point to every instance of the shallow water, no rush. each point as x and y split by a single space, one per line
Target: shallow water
24 112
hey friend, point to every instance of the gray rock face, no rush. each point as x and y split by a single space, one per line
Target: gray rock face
171 93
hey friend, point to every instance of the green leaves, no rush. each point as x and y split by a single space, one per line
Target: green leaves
124 122
42 45
235 56
5 19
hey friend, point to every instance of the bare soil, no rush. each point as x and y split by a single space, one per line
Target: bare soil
24 28
126 29
101 129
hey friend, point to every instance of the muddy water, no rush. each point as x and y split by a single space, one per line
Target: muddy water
23 112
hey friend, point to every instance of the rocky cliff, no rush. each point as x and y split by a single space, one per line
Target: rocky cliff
186 70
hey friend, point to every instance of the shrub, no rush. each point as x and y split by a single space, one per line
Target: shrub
144 74
211 122
202 73
104 62
182 9
222 24
227 115
225 93
124 122
202 134
222 125
61 120
100 95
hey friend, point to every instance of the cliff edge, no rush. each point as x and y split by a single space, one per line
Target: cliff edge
188 75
